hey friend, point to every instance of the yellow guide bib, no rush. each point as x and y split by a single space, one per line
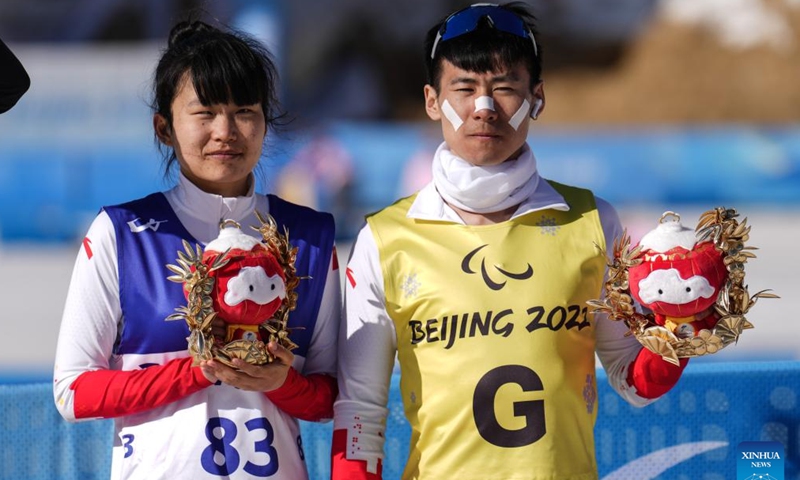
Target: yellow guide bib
494 339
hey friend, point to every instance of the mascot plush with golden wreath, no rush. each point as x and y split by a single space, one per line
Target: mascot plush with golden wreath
691 280
246 282
678 278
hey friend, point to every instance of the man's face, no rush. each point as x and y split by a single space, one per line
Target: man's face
484 115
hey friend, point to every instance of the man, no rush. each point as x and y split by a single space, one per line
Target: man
479 282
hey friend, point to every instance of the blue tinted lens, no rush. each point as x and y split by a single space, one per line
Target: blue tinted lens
467 20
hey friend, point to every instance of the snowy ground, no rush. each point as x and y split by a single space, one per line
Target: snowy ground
34 281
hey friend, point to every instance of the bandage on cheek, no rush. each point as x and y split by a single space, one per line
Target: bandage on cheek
521 115
451 115
486 103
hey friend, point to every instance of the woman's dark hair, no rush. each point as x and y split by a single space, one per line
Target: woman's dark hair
224 66
485 49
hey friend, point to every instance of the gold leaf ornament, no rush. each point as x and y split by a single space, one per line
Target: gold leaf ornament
729 236
195 275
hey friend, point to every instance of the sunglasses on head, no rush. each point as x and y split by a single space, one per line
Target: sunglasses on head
467 20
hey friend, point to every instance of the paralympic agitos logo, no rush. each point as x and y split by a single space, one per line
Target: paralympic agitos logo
466 267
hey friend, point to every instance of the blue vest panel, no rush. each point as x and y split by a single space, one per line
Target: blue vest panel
149 236
313 234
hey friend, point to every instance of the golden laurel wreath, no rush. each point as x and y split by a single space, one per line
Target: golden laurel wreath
199 312
733 302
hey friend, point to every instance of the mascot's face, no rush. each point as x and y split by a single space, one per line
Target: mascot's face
678 282
250 288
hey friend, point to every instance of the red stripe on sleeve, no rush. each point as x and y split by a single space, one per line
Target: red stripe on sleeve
350 277
308 397
113 393
652 376
87 246
344 469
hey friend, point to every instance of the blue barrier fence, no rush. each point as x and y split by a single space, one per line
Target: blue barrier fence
49 191
691 433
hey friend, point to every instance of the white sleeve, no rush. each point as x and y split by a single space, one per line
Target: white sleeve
615 350
367 347
92 313
321 357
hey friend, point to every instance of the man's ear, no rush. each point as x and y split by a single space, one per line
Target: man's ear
538 100
432 104
162 129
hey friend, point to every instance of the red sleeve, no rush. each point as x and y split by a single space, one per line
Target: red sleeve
308 397
652 376
344 469
114 393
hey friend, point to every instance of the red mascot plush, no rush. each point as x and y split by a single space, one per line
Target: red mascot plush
679 277
249 288
692 281
246 282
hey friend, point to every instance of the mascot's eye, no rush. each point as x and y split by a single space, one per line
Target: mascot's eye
273 286
688 289
660 292
251 288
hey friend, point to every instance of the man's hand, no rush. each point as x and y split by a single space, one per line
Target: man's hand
254 378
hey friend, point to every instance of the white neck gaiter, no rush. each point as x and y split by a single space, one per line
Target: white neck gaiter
484 189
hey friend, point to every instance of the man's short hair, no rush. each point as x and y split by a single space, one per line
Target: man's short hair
486 48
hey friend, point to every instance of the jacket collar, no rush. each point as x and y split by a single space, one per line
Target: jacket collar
202 205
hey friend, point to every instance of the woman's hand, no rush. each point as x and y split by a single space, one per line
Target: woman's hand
254 378
219 328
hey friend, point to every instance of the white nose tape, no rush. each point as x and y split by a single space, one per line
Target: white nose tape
516 120
484 103
451 115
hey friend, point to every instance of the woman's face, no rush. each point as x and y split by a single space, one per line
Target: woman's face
217 146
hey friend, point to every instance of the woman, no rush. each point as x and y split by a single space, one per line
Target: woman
214 99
